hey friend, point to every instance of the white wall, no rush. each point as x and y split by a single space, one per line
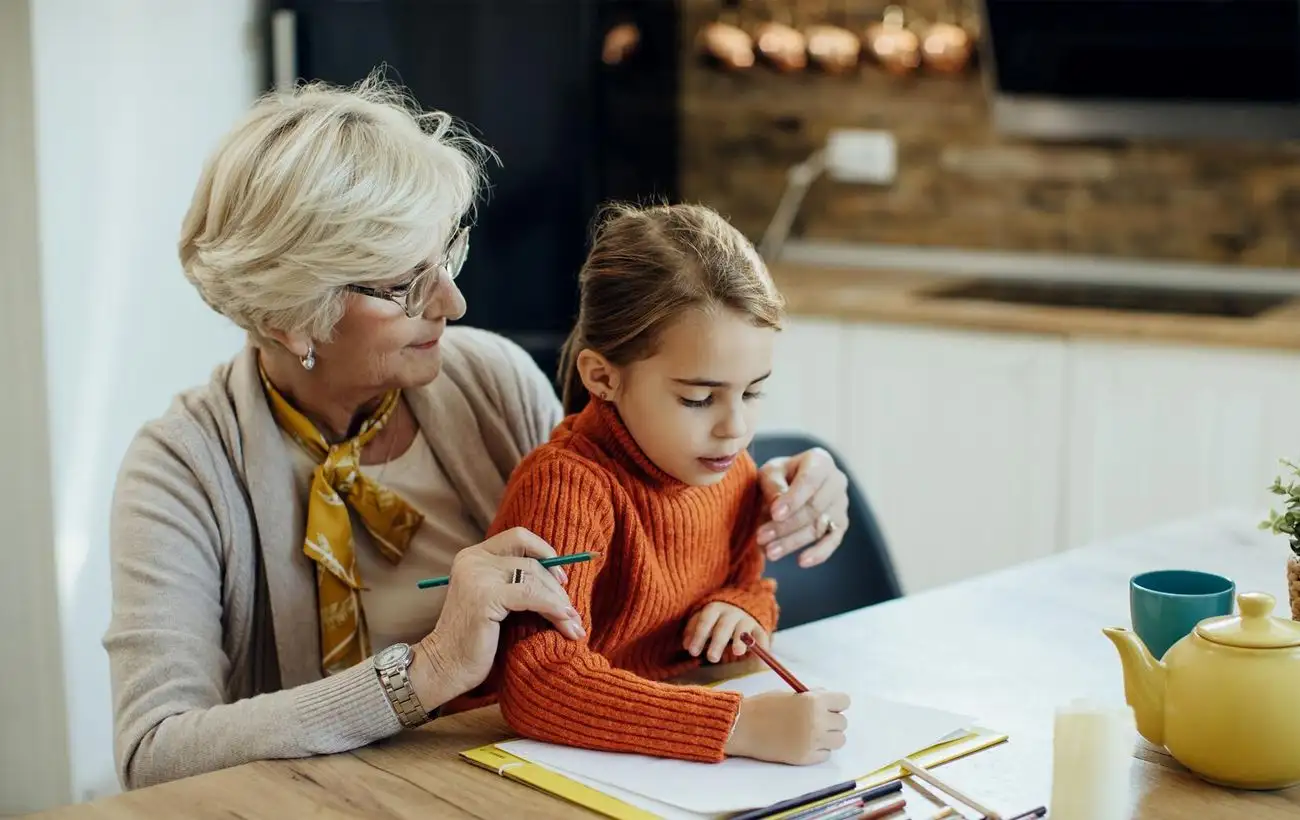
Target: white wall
33 721
130 95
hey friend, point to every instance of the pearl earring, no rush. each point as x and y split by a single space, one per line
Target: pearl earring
309 361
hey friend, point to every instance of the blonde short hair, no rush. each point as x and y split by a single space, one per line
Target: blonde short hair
320 188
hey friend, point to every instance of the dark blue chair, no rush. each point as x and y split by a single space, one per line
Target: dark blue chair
860 573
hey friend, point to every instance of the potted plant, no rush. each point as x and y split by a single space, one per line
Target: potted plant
1288 523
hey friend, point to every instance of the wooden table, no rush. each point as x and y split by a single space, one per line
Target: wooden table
1008 647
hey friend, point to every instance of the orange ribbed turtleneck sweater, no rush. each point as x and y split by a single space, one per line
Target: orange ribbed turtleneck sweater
669 549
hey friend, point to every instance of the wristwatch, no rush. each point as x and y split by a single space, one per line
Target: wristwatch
391 664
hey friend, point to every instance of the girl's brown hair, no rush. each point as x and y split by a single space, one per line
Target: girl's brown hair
646 266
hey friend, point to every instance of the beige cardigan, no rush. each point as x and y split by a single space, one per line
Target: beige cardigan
215 660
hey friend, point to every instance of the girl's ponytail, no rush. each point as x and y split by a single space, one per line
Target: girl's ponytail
573 393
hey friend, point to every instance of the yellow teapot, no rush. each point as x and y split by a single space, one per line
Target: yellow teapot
1225 701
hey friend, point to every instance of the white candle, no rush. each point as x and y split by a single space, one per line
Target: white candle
1092 751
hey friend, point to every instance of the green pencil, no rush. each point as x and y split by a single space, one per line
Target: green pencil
558 561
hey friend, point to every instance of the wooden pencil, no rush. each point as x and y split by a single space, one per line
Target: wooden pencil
776 666
917 770
883 810
862 797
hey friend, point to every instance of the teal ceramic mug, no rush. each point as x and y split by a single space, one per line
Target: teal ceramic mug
1167 604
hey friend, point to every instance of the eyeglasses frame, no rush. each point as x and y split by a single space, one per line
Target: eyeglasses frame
400 295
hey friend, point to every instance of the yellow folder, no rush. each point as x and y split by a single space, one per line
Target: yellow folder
558 785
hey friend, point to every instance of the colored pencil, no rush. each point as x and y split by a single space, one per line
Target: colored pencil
795 802
849 811
763 655
558 561
858 810
864 796
1038 812
883 810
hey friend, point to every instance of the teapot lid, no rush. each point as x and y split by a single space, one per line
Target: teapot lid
1254 628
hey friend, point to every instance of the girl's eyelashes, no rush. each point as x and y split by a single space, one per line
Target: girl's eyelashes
708 400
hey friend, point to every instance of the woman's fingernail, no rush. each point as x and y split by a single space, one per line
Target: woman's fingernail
773 553
572 613
576 630
766 534
564 576
780 511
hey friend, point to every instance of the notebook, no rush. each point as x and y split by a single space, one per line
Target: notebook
637 787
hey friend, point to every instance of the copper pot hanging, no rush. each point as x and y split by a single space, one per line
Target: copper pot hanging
831 47
893 44
620 43
782 45
725 42
946 46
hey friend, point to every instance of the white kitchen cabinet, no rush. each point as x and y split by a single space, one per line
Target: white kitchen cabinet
979 450
806 392
1156 432
957 438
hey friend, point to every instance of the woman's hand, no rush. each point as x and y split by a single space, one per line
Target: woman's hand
719 624
784 727
808 502
458 654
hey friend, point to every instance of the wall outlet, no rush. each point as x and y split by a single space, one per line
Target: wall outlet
862 156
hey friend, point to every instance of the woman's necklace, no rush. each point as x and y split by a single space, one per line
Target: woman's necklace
392 445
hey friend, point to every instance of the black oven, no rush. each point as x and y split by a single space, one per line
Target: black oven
1165 68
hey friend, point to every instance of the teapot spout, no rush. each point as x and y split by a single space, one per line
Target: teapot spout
1144 683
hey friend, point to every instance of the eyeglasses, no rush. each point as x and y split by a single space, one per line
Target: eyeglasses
413 296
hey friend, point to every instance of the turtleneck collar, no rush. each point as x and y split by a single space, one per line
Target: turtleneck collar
600 421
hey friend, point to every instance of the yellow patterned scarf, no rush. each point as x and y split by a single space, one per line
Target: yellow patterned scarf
390 520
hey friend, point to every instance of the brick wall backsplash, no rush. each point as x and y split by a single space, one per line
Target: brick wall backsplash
959 184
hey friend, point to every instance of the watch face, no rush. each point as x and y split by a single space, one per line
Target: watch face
392 656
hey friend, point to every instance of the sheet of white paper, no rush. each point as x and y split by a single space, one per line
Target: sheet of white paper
880 731
664 811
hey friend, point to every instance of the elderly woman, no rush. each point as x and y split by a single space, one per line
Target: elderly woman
269 529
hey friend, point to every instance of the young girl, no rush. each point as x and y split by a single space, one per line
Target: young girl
671 348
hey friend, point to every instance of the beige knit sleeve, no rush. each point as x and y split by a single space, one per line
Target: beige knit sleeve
172 679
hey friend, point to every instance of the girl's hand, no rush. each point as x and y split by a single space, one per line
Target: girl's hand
785 727
808 501
719 624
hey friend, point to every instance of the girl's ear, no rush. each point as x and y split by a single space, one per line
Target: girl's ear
601 378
